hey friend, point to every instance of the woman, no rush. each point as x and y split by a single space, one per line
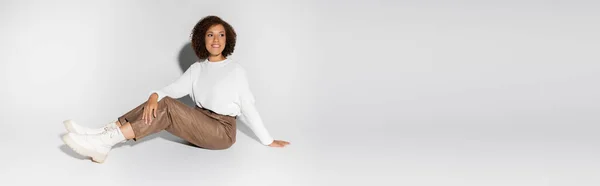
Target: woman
218 86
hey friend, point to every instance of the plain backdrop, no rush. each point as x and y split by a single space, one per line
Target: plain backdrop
425 92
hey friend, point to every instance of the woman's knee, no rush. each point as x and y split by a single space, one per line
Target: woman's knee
166 99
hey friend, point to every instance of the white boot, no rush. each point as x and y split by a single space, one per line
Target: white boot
71 126
95 146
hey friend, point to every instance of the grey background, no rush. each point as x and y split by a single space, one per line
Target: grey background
368 92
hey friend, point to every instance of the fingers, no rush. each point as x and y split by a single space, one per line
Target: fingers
149 113
279 143
283 143
150 116
144 114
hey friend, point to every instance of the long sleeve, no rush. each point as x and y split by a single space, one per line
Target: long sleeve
249 113
180 87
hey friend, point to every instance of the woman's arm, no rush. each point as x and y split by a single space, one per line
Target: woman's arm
249 113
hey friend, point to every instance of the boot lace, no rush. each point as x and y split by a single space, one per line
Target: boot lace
107 128
110 131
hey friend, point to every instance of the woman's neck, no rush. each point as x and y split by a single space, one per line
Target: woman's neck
216 58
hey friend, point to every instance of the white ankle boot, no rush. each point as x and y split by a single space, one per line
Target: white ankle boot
71 126
95 146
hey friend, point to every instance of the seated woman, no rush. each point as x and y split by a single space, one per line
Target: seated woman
218 86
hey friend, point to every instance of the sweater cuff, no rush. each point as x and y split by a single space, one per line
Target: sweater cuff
268 142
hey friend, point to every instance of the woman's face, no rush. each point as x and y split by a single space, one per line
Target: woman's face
215 40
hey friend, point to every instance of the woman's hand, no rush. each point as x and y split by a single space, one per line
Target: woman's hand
150 109
279 143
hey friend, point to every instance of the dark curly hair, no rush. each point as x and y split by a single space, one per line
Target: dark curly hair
199 31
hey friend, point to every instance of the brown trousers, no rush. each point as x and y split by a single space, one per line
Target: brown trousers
199 126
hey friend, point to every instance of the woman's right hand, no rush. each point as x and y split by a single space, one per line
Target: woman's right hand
279 143
150 109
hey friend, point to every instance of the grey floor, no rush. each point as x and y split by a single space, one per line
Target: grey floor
415 93
498 149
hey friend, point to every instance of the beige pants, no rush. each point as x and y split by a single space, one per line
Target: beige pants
199 126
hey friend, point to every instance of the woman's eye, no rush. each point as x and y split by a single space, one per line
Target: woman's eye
209 35
222 35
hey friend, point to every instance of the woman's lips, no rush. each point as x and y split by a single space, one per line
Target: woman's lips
216 46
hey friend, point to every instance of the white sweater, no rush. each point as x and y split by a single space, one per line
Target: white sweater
220 86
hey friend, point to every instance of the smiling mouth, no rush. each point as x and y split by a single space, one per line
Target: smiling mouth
215 46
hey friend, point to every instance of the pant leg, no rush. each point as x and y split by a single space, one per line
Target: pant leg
198 126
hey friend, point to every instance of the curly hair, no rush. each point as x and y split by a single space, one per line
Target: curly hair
199 31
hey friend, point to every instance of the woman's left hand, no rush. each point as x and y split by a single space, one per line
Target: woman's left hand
279 143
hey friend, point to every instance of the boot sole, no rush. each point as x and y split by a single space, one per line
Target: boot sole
96 156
